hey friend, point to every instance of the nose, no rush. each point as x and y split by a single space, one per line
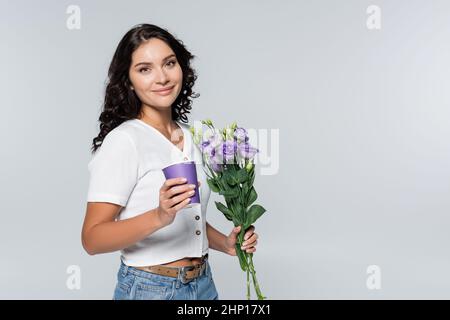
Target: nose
162 77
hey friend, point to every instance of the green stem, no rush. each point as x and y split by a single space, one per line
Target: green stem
248 283
250 270
255 281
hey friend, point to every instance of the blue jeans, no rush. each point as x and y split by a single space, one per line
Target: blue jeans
135 284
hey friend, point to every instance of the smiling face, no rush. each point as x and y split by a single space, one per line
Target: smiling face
154 66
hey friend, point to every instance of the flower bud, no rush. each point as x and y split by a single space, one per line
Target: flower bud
207 122
229 134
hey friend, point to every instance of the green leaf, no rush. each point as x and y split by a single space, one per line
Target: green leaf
222 208
252 177
252 196
213 185
242 175
231 193
231 178
254 213
245 190
240 212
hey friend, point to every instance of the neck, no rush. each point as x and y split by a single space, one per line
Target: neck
158 119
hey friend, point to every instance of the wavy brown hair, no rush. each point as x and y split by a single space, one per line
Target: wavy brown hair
121 102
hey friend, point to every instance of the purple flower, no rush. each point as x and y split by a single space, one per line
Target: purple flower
212 154
240 135
246 151
215 140
215 160
216 167
204 145
227 151
208 149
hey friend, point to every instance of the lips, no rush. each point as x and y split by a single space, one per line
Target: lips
164 90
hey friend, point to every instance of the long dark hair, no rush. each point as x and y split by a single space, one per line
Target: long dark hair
121 102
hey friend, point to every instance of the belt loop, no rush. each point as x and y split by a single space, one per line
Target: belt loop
178 281
124 269
206 271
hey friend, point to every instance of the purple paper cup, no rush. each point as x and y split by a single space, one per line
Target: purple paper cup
188 170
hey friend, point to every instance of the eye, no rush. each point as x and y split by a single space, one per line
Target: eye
142 69
172 61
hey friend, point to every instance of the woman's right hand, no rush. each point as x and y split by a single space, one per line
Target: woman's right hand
174 195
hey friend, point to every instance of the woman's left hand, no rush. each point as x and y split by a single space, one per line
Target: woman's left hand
249 244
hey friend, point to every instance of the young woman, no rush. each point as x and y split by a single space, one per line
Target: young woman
131 207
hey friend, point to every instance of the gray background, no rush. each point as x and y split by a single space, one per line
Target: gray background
363 120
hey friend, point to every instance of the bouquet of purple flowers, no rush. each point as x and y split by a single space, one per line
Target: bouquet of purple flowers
228 158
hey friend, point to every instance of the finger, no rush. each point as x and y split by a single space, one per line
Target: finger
179 189
249 245
234 233
171 182
175 200
249 232
182 204
249 250
250 240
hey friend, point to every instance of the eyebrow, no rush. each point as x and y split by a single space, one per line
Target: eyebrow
150 63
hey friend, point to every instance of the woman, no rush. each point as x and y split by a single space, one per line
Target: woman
131 207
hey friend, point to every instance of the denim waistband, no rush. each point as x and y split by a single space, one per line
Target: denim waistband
125 269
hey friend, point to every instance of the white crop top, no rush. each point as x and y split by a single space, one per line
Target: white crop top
127 170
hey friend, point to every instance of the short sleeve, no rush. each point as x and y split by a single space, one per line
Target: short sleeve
113 169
